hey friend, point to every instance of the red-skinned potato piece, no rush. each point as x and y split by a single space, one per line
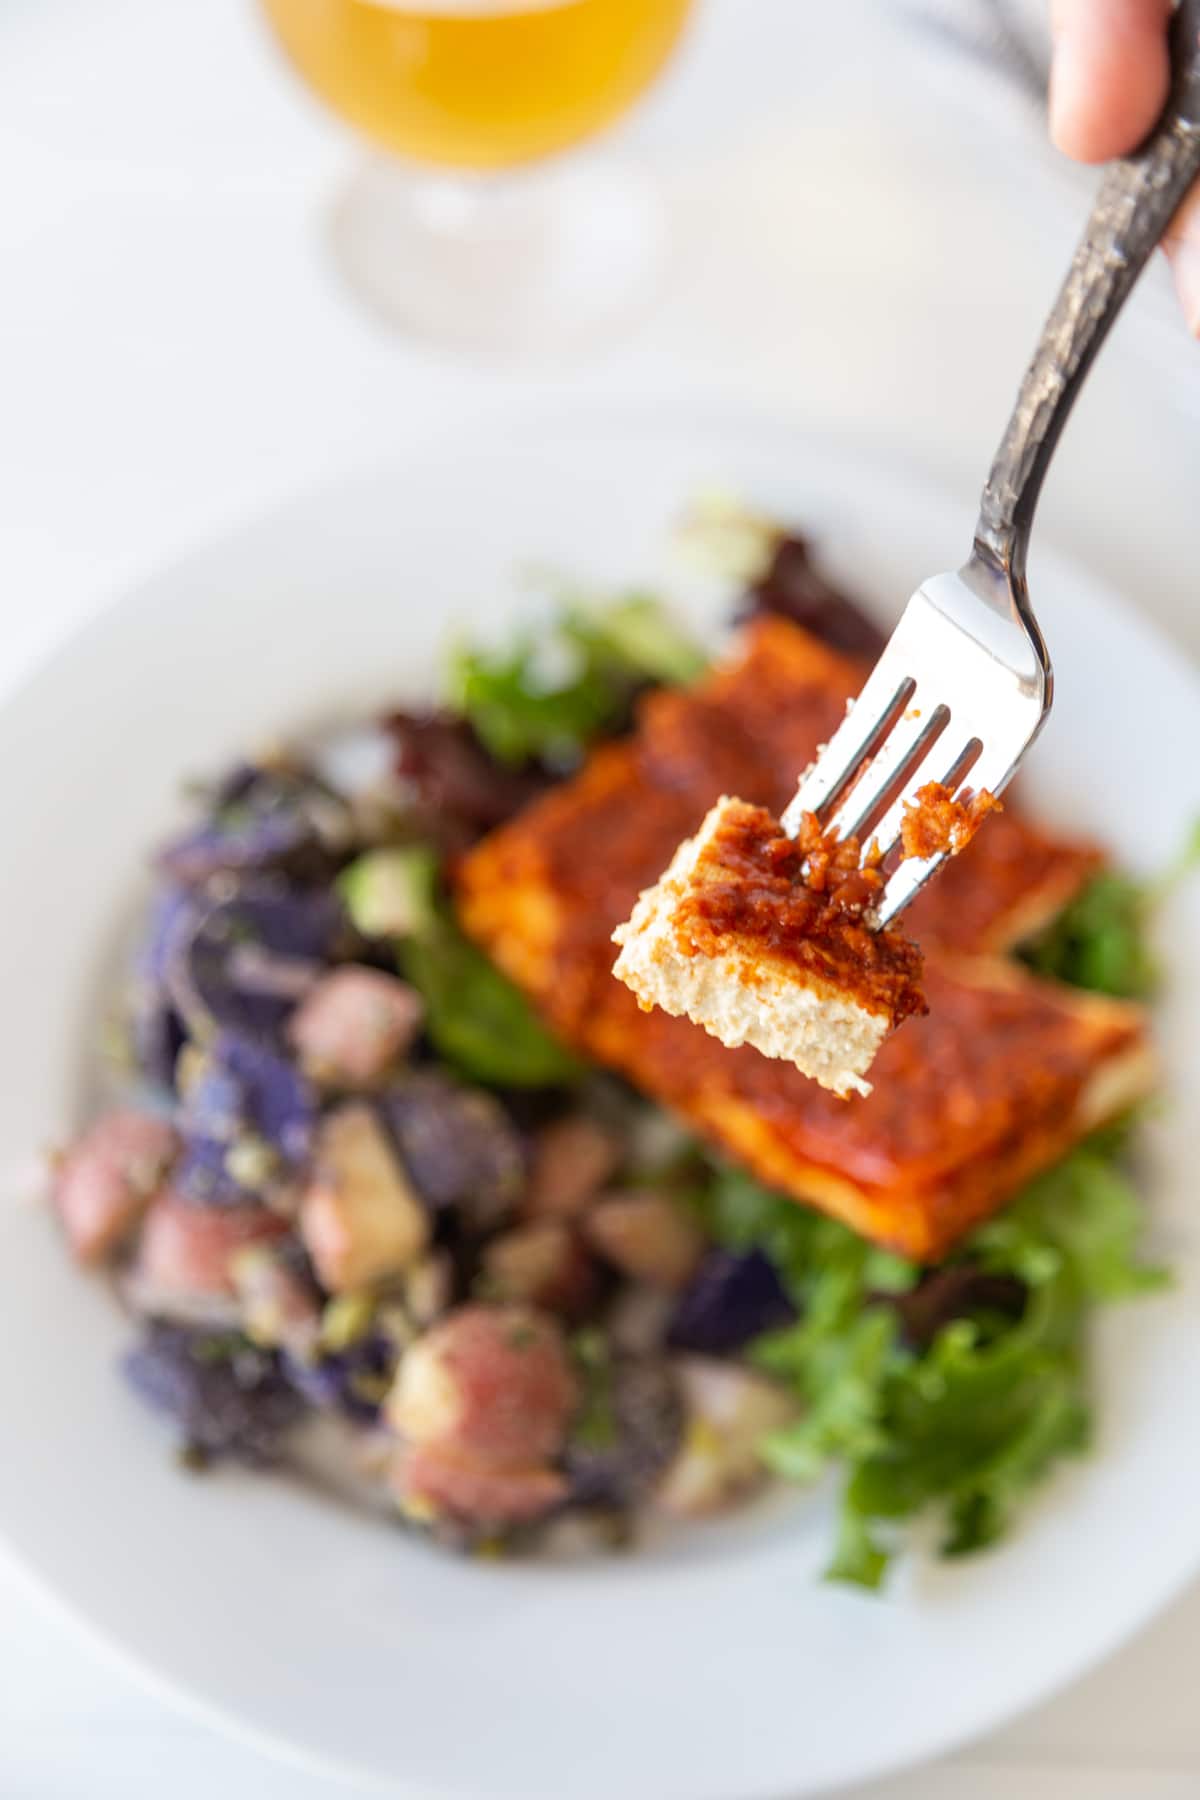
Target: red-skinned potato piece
189 1250
542 1263
353 1024
572 1160
728 1411
280 1307
361 1220
430 1483
492 1385
108 1178
646 1235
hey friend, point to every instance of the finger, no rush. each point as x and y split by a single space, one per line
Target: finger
1109 77
1182 245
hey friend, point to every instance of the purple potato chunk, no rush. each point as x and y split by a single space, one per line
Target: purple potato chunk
156 1036
225 1397
166 917
214 850
277 1102
459 1146
730 1300
241 1093
156 1030
202 1174
244 963
213 1106
261 819
353 1381
628 1432
234 785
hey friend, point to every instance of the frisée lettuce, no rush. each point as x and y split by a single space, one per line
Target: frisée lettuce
962 1415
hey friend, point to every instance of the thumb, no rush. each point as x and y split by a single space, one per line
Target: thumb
1109 75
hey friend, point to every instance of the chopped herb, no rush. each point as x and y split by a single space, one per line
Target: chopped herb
596 1423
490 1549
346 1320
220 1346
369 1385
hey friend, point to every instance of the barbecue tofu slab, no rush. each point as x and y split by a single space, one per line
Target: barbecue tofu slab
1001 1077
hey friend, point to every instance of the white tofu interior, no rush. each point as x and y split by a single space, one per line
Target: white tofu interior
743 996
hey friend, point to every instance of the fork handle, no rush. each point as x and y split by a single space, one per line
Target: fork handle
1136 202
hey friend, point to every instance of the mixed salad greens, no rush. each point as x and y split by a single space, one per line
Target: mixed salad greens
357 1166
952 1389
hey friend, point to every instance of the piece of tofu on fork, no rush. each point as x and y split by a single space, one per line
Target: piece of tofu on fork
761 939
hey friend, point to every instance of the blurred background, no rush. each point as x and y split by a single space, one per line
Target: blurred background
843 216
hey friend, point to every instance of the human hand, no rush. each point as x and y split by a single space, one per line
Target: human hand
1108 85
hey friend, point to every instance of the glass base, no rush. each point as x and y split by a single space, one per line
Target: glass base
542 261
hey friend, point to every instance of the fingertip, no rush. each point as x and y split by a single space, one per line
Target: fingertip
1109 75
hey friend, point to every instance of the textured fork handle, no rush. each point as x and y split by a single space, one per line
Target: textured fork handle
1136 202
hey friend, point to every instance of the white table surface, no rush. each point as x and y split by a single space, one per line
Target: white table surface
870 256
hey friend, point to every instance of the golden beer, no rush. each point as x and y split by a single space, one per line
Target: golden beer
478 84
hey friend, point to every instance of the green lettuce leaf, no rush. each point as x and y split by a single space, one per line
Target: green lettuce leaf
1101 939
518 717
636 637
968 1426
1083 1217
553 694
478 1021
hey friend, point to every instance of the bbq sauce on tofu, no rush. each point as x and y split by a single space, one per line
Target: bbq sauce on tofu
805 901
936 824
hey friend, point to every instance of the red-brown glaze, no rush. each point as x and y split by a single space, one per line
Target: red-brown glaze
801 900
936 824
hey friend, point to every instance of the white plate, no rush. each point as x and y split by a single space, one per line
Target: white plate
718 1668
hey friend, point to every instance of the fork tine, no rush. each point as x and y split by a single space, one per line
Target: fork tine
911 740
903 887
884 695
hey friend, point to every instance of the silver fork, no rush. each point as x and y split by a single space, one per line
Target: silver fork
965 683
